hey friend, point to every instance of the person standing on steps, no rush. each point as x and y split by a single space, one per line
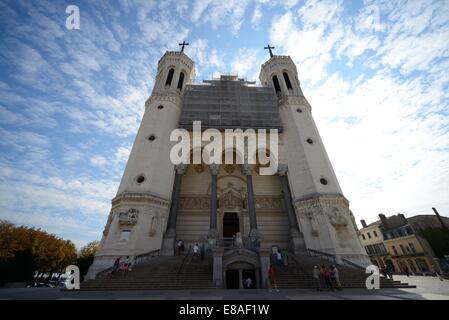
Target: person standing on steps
316 276
179 247
195 250
335 277
125 267
116 265
272 277
279 257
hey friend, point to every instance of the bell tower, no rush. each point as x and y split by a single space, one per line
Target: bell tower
321 209
140 209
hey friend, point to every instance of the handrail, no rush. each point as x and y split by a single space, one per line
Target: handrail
333 258
182 265
139 259
350 263
325 255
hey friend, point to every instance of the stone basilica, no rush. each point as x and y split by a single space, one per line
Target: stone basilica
236 214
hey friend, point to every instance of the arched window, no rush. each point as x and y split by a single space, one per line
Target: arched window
277 87
181 80
170 77
287 81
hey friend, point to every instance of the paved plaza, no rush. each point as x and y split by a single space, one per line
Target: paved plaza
428 288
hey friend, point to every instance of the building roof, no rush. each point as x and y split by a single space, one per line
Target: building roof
230 102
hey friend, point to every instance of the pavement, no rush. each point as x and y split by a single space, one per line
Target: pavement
428 288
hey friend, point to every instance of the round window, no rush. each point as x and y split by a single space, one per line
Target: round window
298 110
140 179
160 107
152 137
323 181
309 141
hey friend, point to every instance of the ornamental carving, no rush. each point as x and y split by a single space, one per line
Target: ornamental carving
194 203
230 200
199 168
129 218
268 203
154 223
337 218
229 168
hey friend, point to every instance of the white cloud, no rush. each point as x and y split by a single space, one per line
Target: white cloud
257 16
244 61
219 13
98 161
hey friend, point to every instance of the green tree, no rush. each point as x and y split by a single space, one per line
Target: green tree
86 257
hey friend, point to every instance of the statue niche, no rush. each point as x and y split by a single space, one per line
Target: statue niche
128 218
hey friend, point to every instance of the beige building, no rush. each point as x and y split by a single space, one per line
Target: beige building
372 240
158 203
396 241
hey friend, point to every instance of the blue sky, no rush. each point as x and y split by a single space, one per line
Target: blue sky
375 72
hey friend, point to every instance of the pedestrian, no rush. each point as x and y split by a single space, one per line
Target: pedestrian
390 276
284 254
436 273
202 251
272 277
327 279
279 257
316 276
335 277
116 265
195 250
178 247
406 271
125 266
248 283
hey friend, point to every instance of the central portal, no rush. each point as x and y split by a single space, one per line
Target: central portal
230 224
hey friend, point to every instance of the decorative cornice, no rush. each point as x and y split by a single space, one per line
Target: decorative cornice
321 200
140 198
172 96
176 56
286 100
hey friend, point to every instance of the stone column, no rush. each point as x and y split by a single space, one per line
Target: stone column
297 238
168 246
240 279
212 236
218 267
264 256
248 170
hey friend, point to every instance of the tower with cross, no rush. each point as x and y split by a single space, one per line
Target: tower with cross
183 44
269 49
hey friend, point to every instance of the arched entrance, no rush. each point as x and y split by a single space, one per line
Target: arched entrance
239 265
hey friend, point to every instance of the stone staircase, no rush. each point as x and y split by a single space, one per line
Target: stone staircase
161 273
298 274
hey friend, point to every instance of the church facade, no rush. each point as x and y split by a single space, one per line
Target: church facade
239 215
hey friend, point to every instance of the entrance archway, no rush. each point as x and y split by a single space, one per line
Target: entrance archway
232 279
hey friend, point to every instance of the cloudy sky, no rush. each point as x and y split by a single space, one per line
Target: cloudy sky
375 72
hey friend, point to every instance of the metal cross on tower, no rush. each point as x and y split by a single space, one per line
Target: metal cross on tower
183 44
269 49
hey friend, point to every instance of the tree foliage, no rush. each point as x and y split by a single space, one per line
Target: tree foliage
438 240
86 257
25 250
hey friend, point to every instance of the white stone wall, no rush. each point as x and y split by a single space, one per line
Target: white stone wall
322 211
